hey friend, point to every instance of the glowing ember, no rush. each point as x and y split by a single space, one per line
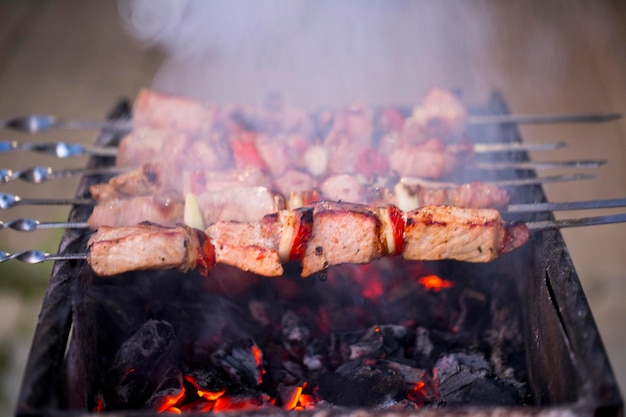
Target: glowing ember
211 396
99 405
294 400
171 401
435 283
236 404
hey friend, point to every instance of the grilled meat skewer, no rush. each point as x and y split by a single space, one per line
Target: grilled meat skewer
325 234
439 110
251 203
29 225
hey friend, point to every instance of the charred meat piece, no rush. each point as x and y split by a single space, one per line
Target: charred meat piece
444 232
425 161
201 180
138 182
121 212
247 246
342 233
241 204
262 247
472 195
161 111
143 145
440 115
149 246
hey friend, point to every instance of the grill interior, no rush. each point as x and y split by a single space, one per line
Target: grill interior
564 365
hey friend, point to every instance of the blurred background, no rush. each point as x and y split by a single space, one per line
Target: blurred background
76 59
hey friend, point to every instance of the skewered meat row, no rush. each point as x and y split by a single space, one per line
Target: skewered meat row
276 138
320 235
246 195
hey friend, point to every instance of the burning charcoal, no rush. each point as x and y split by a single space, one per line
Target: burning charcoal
431 344
169 393
294 372
316 355
362 383
466 379
210 382
295 335
419 384
140 365
288 396
243 360
379 342
410 374
339 346
243 402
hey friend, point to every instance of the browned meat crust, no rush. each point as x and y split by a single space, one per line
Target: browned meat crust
471 235
149 246
138 182
342 233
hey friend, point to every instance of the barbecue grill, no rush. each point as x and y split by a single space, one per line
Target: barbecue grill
533 293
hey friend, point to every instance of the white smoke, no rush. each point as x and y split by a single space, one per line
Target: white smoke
335 51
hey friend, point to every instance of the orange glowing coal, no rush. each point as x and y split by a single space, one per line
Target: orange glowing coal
171 401
435 283
293 401
211 395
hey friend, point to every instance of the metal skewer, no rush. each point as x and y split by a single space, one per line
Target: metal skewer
66 150
40 122
37 256
10 200
564 206
29 225
58 149
35 123
542 118
584 221
517 147
591 163
40 174
516 182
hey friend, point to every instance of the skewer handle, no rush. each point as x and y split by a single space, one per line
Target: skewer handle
37 256
40 174
36 123
29 225
58 149
10 200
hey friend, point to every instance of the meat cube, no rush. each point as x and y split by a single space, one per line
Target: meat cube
342 233
241 204
161 111
129 211
445 232
146 246
142 181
